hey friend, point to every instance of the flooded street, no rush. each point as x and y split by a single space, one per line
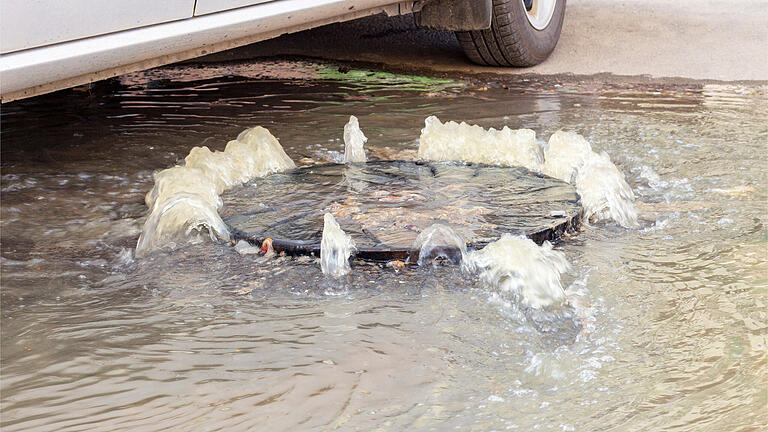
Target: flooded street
673 313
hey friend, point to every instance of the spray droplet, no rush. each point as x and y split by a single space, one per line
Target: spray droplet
354 139
335 248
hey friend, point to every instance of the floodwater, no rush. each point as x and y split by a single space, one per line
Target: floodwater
673 313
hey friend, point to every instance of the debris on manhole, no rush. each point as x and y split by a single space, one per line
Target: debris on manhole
384 206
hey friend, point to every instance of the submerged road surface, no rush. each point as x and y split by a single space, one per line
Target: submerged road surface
694 39
668 329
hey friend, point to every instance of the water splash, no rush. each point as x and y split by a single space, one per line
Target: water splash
336 247
185 199
440 243
568 156
520 270
354 139
652 177
604 191
564 154
462 142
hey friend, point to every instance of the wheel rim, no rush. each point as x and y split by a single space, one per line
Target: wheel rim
540 13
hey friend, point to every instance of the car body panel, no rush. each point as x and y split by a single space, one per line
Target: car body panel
26 24
203 7
52 67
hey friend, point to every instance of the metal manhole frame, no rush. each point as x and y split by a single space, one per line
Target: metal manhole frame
566 224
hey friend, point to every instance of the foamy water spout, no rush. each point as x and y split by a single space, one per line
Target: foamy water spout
185 198
440 242
354 139
568 156
451 141
564 154
335 248
604 192
521 270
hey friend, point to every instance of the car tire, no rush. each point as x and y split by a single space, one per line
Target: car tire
518 36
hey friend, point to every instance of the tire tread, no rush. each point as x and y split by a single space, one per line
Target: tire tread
504 44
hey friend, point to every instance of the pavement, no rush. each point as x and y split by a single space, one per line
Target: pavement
721 40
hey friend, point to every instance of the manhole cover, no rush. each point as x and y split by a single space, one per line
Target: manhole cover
384 205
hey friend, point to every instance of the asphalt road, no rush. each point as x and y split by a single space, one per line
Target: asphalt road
688 39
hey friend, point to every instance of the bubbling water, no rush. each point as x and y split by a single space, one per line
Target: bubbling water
336 247
564 154
182 201
460 142
186 198
354 139
521 271
440 242
567 156
604 192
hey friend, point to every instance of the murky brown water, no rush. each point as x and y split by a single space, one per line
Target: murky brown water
207 339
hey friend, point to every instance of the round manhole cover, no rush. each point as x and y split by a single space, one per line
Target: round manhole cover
384 205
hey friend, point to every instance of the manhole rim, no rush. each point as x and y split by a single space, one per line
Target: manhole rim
566 224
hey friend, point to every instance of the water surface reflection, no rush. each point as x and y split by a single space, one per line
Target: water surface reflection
204 338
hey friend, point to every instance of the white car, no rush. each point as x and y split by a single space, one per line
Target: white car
47 45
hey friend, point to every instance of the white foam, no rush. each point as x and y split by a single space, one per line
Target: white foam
567 156
354 139
185 198
604 191
335 248
564 154
517 267
462 142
